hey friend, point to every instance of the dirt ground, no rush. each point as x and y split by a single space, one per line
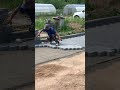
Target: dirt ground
104 77
64 74
76 26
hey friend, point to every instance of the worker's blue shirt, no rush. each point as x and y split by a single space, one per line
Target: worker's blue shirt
50 32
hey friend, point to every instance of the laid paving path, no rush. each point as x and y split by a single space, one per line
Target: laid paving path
103 38
73 43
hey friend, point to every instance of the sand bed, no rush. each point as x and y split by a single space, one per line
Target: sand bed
104 77
64 74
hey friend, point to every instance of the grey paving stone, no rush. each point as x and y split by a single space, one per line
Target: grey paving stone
104 53
13 47
3 48
103 37
23 47
111 53
93 54
75 43
114 50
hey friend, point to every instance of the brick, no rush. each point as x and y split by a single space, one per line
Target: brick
4 48
104 53
111 53
23 47
114 50
13 47
93 54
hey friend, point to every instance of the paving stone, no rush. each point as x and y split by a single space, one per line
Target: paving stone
3 48
93 54
114 50
103 38
104 53
13 47
37 45
75 43
23 47
111 53
31 48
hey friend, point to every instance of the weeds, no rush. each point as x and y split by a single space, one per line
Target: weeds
66 29
10 4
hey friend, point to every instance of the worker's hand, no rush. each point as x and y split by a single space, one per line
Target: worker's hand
38 34
8 21
60 38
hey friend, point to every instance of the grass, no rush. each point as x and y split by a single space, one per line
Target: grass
66 29
10 4
76 20
40 21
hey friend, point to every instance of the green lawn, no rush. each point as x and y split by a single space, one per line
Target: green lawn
10 4
71 25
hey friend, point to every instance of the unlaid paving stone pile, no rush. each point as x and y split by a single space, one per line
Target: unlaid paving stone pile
74 43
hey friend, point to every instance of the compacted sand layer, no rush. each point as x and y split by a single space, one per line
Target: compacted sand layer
64 74
104 77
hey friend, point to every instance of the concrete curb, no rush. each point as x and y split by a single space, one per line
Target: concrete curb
110 53
102 21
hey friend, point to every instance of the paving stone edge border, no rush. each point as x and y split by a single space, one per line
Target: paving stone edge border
16 48
102 21
82 48
110 53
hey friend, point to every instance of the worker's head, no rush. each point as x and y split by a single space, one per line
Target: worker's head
47 27
49 21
